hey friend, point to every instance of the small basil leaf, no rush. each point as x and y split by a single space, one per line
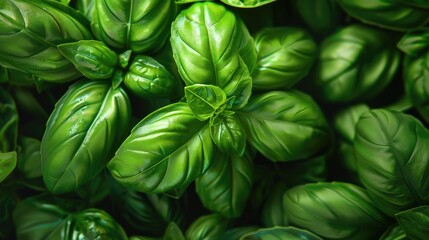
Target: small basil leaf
247 3
124 58
87 124
415 42
117 78
29 158
229 135
285 126
389 14
7 164
86 7
173 232
140 26
34 29
147 78
414 222
392 147
207 227
226 185
394 232
92 58
204 99
290 233
8 122
334 211
156 148
285 55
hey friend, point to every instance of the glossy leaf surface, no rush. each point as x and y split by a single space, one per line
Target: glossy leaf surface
334 211
389 14
92 58
392 159
141 26
204 100
285 55
162 152
207 227
7 164
226 185
87 123
284 126
415 42
355 63
247 3
29 158
394 232
229 135
414 222
279 233
34 28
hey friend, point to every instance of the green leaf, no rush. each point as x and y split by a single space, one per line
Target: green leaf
229 135
41 217
96 189
333 210
285 55
285 126
390 14
392 159
355 63
247 3
7 164
34 29
414 222
29 158
187 1
124 58
346 119
394 232
147 78
140 26
84 129
173 232
226 185
86 7
290 233
204 100
92 58
207 227
163 152
8 122
272 213
415 42
236 233
223 55
8 201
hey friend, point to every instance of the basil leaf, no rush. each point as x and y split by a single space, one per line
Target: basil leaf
8 122
147 78
285 55
16 77
34 29
389 14
86 7
207 227
173 232
394 232
273 210
333 210
213 58
415 42
204 100
7 164
157 148
247 3
415 222
29 158
236 233
355 63
96 189
392 147
87 123
229 135
226 185
141 26
285 126
92 58
290 233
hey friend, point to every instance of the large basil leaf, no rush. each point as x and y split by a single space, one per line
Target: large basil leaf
285 55
204 100
394 232
163 152
226 185
207 227
41 218
7 164
224 53
285 126
279 233
247 3
88 122
34 28
390 14
414 222
392 154
355 63
229 135
92 58
8 122
334 211
141 26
